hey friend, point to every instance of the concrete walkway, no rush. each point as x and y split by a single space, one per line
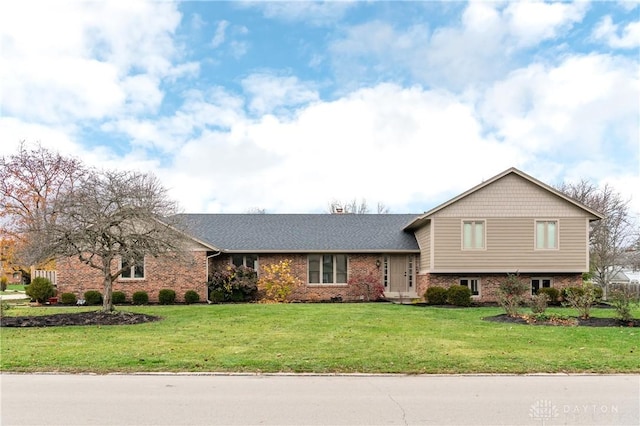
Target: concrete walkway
14 296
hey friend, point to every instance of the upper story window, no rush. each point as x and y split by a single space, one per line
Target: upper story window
327 269
248 260
473 234
133 272
546 234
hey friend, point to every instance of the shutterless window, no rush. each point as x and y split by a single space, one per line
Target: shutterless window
473 284
546 234
248 260
538 283
134 272
327 269
473 234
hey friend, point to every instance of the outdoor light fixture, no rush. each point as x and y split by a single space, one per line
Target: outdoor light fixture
377 263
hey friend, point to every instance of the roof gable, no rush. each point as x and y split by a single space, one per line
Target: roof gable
511 193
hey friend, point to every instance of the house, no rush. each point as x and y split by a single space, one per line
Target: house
507 224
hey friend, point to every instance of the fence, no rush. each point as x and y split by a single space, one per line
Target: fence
633 287
50 275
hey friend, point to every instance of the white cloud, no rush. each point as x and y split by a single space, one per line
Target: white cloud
582 113
608 32
85 53
267 93
220 34
531 22
317 13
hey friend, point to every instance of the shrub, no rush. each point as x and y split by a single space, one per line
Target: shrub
552 293
40 289
278 282
538 303
166 296
436 295
623 300
140 298
4 281
365 287
241 280
459 295
581 298
216 296
93 297
118 298
191 296
511 294
68 299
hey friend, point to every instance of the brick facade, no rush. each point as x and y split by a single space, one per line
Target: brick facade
489 283
178 274
357 264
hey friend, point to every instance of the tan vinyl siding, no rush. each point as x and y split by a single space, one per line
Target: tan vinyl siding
423 236
511 196
510 247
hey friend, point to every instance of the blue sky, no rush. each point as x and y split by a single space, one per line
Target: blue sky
286 106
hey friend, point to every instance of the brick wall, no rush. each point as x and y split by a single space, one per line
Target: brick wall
489 283
363 264
179 274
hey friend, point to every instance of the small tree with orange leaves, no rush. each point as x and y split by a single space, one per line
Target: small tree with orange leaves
277 282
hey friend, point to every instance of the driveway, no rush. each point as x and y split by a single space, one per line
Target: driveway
48 399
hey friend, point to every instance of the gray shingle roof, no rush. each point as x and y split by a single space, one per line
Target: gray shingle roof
302 232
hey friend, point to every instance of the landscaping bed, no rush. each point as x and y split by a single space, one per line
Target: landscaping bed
78 318
565 321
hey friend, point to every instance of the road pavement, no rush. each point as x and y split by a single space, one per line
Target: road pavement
176 399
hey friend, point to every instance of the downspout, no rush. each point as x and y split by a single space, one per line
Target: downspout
207 277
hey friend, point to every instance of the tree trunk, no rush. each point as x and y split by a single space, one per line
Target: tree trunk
107 299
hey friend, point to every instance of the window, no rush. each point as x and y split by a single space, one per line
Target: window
538 283
134 272
248 260
473 234
328 269
473 284
546 234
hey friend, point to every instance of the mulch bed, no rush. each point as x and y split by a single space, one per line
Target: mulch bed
573 321
78 318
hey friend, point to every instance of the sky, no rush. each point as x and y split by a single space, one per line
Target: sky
288 106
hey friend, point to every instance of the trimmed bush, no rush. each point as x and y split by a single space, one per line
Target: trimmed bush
68 299
140 298
459 295
436 295
40 289
539 302
118 298
552 293
93 297
216 296
581 298
191 296
166 296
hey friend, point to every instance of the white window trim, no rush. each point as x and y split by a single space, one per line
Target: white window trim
244 260
539 279
484 234
335 265
132 271
475 296
535 235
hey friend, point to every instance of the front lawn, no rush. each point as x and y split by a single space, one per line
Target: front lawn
319 338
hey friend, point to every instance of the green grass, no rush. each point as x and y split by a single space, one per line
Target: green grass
13 288
319 338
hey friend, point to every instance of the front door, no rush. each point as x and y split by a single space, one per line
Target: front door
399 275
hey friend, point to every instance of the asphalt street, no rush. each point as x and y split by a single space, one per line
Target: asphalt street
175 399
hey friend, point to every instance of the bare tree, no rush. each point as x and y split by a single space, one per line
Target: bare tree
31 184
355 207
610 238
111 222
